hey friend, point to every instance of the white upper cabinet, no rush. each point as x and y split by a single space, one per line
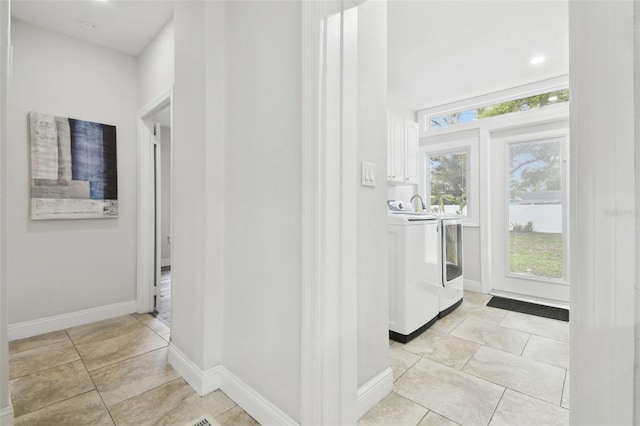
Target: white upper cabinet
402 162
410 152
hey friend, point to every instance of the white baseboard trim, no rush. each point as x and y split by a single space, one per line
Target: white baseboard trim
374 391
165 262
25 329
530 299
260 408
203 382
6 415
471 285
218 377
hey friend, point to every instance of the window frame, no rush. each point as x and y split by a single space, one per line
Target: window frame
458 142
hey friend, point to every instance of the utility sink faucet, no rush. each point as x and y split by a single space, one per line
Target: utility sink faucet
422 206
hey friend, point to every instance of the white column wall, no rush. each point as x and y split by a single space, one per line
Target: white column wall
602 245
373 303
6 414
263 196
198 126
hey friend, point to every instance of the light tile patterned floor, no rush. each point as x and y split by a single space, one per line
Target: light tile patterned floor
106 373
478 366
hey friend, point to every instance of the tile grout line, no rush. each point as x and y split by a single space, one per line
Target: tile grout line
423 417
497 405
525 346
42 346
91 378
563 385
55 403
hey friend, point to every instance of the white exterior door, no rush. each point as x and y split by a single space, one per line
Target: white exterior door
529 211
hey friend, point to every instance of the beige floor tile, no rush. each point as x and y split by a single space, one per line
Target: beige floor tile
85 409
166 337
101 353
156 325
545 327
565 392
102 330
548 351
518 409
434 419
533 378
492 335
454 394
401 360
476 298
480 312
394 410
174 403
446 349
236 417
142 317
37 341
448 323
41 358
39 390
133 376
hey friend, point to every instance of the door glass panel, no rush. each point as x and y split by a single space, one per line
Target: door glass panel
453 250
536 209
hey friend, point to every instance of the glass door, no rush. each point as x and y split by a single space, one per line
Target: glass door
529 228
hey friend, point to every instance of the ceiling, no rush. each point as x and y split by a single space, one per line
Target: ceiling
127 26
445 51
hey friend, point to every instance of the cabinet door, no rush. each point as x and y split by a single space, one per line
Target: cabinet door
396 148
411 152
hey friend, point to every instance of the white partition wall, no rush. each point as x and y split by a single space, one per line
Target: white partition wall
602 213
6 412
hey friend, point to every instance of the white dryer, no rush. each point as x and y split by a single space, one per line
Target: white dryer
451 271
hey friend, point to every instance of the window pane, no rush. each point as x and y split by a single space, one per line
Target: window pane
535 208
448 174
523 104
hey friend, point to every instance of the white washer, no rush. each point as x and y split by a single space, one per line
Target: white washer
414 274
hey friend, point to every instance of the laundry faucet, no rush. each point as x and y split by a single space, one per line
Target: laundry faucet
422 206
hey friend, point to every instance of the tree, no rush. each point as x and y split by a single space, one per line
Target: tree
535 166
524 103
449 180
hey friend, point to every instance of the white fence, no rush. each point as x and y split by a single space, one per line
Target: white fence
545 217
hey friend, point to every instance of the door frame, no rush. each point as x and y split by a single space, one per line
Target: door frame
329 366
146 220
500 261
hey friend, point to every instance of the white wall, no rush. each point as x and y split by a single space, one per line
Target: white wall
198 167
6 414
156 65
62 266
263 195
603 249
165 184
373 318
636 47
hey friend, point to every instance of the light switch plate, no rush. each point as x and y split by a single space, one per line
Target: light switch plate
368 174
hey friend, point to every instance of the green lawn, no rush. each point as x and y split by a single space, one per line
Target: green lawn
536 253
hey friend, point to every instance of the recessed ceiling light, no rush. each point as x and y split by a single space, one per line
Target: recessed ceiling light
536 60
85 23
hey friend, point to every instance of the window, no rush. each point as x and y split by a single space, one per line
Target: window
516 105
449 182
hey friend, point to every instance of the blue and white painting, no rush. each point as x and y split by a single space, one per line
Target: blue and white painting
74 173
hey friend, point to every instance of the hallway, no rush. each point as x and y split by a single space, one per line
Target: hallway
109 372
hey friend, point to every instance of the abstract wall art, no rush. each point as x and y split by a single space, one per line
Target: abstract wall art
74 173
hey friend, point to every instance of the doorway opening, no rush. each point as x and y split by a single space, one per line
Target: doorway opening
155 177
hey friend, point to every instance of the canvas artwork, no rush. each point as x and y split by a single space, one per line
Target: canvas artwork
74 173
